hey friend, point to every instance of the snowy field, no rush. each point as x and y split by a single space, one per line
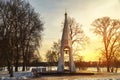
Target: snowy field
17 75
106 76
29 76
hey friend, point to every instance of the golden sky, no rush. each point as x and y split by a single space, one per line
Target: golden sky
84 12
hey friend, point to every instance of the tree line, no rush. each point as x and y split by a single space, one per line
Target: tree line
20 33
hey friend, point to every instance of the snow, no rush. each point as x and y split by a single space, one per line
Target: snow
28 75
24 75
17 75
80 78
101 76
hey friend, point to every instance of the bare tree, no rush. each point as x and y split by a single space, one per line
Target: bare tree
79 39
53 54
109 29
20 31
6 34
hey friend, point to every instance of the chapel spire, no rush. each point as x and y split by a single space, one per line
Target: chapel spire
66 47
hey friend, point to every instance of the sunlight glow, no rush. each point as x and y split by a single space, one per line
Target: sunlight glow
84 12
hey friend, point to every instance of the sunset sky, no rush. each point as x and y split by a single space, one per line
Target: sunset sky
84 12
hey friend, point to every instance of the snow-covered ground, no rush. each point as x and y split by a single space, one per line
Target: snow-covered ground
4 75
17 75
103 76
29 76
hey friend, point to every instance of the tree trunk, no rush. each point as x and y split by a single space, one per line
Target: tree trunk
23 68
108 66
108 69
16 63
116 69
10 68
17 60
8 65
11 71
